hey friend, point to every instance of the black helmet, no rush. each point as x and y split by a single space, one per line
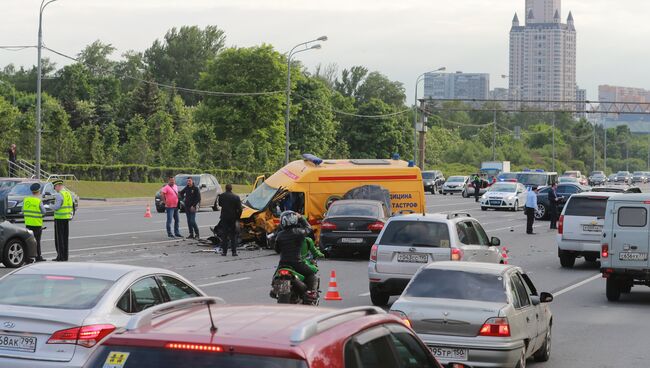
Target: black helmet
289 219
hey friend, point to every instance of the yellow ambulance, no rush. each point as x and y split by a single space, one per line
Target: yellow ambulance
310 185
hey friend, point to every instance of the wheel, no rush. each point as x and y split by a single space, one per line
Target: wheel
483 208
521 363
13 255
613 289
464 194
516 207
215 206
284 298
567 260
160 209
591 259
443 193
544 352
451 193
626 289
378 298
540 214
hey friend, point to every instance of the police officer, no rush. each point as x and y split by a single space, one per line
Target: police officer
63 208
33 212
478 183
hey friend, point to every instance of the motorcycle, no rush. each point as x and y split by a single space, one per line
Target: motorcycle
289 288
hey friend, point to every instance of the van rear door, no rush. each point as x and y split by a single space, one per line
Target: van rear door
584 218
630 244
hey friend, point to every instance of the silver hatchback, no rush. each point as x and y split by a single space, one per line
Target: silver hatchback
408 242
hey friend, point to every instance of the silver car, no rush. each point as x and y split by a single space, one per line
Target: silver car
456 184
408 242
511 196
55 314
479 314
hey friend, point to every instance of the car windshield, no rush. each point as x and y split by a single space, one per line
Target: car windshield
144 357
353 209
22 189
594 173
261 197
568 179
52 291
428 175
456 179
460 285
586 206
530 179
418 233
621 173
181 180
639 173
507 176
503 187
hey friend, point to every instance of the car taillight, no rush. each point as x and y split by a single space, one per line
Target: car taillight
604 251
496 327
401 316
86 336
284 273
456 254
194 347
560 225
327 226
376 226
373 253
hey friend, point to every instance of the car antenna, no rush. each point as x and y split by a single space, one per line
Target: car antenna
213 328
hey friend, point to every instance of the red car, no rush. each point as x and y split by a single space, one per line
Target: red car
197 333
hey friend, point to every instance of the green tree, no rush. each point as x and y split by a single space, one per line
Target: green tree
111 143
350 81
58 143
145 99
377 85
137 149
162 138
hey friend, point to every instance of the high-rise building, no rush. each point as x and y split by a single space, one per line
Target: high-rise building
543 55
608 94
459 85
581 103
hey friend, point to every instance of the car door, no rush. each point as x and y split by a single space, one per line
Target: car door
521 194
630 244
490 254
524 320
542 311
410 352
565 191
372 348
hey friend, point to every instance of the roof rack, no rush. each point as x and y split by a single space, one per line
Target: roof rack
309 328
145 317
457 214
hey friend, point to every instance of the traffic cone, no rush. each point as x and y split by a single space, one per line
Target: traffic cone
333 289
504 254
147 214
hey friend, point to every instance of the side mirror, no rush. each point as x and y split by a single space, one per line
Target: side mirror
203 186
495 242
546 297
48 193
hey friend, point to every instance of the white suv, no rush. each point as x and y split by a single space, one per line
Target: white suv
580 227
408 242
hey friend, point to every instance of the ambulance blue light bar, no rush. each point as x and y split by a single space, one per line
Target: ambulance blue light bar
313 159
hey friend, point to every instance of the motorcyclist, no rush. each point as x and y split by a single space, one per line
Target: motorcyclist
309 248
289 241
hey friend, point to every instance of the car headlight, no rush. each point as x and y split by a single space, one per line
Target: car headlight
12 204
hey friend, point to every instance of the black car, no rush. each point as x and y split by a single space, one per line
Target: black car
17 244
565 190
597 178
433 181
617 189
208 185
352 225
21 190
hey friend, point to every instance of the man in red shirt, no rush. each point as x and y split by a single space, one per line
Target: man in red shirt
169 195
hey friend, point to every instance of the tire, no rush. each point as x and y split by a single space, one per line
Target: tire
464 194
483 208
626 289
160 210
567 260
613 289
451 194
522 359
13 254
544 352
378 298
443 193
284 298
516 207
591 259
541 212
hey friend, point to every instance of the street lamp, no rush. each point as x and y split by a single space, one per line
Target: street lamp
44 4
415 115
292 53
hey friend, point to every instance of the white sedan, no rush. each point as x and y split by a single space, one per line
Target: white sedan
55 314
510 196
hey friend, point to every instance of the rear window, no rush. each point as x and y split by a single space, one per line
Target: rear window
460 285
353 209
632 217
51 291
585 206
416 233
137 357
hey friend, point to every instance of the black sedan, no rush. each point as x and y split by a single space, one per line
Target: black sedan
564 191
433 181
17 245
352 225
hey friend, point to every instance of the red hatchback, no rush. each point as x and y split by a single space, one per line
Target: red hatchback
196 333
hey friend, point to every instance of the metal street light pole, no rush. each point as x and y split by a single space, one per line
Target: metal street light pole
553 142
605 151
44 3
415 112
286 120
594 137
494 137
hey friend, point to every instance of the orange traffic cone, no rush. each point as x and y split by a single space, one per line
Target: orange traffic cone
333 289
147 214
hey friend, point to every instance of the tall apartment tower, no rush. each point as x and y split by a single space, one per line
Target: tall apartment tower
543 55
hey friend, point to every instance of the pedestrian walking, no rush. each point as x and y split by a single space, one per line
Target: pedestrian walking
554 201
63 209
478 183
191 199
169 194
531 207
33 212
231 210
11 161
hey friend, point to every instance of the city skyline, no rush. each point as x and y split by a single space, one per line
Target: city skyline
468 35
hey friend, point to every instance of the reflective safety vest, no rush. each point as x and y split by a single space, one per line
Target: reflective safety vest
65 212
32 212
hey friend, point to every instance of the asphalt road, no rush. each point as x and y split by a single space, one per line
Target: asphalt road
588 331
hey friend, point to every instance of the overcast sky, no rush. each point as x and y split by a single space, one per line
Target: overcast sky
398 38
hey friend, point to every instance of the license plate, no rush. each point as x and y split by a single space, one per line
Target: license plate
412 258
495 203
633 256
454 354
352 240
592 228
18 343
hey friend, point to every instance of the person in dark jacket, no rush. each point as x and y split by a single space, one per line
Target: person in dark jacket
191 199
231 210
553 201
289 241
11 160
478 183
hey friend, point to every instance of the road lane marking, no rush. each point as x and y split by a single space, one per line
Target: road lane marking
115 234
96 220
575 286
118 246
365 294
223 282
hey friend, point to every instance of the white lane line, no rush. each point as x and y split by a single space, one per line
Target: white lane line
223 282
117 246
115 234
575 286
364 294
96 220
445 205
